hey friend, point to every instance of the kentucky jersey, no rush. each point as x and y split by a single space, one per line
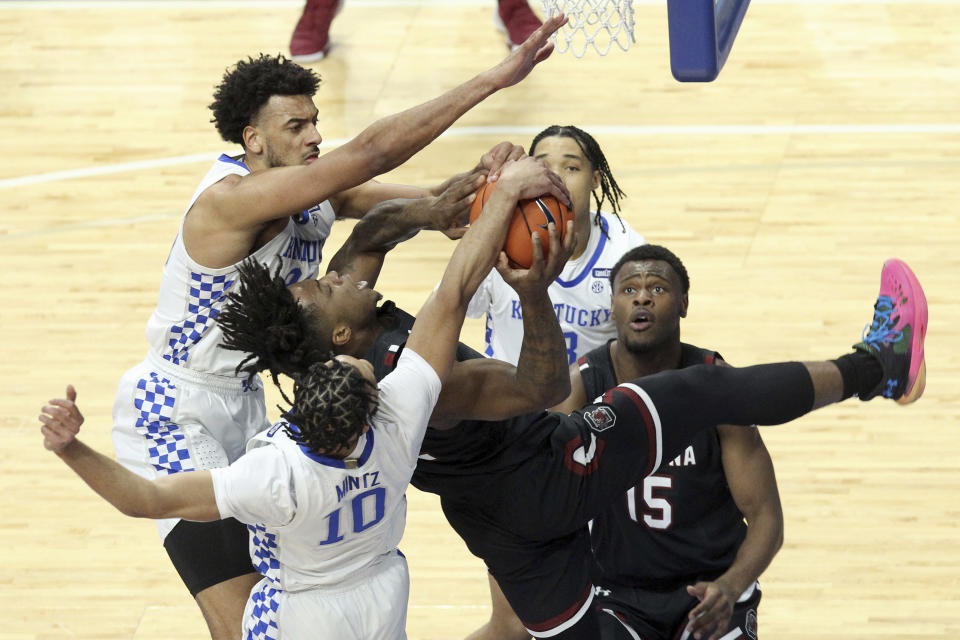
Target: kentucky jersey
580 296
319 521
681 524
183 330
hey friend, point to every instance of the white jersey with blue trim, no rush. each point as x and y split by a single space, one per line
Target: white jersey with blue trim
183 329
319 521
580 296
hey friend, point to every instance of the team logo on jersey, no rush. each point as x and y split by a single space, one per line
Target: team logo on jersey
751 623
597 286
600 418
582 458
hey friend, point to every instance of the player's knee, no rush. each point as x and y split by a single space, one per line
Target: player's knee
510 628
224 623
223 604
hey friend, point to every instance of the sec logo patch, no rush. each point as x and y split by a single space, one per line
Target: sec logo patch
597 286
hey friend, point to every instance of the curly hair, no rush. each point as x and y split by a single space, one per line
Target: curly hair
264 320
609 189
653 252
250 84
332 403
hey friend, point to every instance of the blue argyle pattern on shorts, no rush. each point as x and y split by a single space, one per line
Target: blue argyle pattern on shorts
262 624
262 545
206 295
166 444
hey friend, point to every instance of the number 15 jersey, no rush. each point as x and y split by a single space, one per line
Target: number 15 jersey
681 523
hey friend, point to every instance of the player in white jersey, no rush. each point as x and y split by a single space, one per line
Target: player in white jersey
323 490
581 294
183 408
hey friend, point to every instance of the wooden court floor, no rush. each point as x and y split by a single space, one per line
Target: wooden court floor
830 142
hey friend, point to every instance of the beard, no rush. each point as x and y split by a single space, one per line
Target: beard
274 160
651 343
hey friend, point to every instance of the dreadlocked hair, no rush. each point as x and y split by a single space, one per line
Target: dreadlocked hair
609 189
332 403
250 84
264 320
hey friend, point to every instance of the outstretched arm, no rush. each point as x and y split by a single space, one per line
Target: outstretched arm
354 203
749 472
181 495
488 389
437 328
384 145
395 221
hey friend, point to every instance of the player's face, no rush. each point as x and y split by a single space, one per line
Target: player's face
335 299
288 128
563 156
648 302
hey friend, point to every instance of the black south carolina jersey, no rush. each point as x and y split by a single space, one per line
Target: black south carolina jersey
681 524
472 446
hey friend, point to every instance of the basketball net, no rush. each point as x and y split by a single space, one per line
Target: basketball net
592 23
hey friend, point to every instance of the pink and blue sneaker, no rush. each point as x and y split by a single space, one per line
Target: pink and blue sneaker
895 337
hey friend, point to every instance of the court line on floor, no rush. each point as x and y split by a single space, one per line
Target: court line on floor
650 130
860 165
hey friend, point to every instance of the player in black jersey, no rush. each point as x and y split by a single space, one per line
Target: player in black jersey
520 491
674 556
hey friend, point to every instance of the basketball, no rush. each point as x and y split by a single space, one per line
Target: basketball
530 215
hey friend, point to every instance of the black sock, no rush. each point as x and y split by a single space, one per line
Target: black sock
861 373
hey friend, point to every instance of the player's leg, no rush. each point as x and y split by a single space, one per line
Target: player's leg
311 36
549 587
157 431
213 560
601 451
222 605
370 603
504 623
630 613
888 362
516 19
547 581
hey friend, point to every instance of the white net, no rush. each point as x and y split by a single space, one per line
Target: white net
597 24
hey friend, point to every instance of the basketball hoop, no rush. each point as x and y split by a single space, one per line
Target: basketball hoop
592 23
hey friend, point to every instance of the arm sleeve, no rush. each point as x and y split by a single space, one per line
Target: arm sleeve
407 398
256 489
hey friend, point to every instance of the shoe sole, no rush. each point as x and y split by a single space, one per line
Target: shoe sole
318 55
917 375
309 57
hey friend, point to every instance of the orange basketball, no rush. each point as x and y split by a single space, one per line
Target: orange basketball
530 215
